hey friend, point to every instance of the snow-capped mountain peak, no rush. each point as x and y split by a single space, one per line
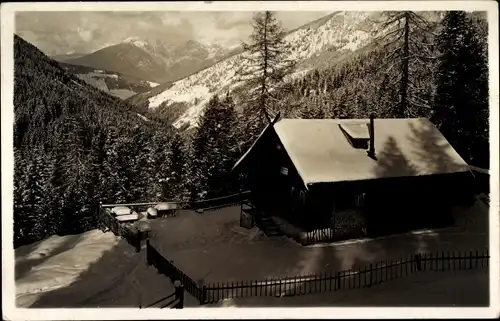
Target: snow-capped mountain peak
137 42
340 31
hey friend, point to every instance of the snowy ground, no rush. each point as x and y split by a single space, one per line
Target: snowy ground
212 247
96 269
93 269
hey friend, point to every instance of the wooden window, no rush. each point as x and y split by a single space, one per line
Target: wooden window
303 197
360 200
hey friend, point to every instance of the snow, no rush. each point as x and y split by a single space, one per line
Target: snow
61 264
93 269
179 94
343 30
303 140
142 117
136 41
355 40
77 83
153 84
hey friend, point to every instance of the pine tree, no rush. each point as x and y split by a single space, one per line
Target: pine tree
157 167
264 68
201 160
228 144
21 184
177 169
214 148
409 48
34 198
461 103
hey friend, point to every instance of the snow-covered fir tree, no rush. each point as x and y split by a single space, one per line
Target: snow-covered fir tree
213 148
461 103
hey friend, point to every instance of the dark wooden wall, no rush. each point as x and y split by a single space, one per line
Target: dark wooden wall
271 189
394 204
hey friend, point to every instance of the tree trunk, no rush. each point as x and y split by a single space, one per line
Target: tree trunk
402 112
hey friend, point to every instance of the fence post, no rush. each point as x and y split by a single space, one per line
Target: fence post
338 280
99 216
179 294
148 252
371 275
418 260
137 240
203 294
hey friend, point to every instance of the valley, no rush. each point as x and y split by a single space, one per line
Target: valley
114 83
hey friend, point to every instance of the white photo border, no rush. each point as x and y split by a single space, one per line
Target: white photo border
11 312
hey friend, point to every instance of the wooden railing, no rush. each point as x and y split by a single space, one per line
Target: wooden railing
218 202
129 233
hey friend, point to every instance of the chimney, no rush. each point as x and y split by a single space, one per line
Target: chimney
371 150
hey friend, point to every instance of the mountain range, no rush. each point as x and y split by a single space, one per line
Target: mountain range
156 61
318 45
179 80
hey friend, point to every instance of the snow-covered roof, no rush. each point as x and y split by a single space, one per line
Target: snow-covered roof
404 147
356 130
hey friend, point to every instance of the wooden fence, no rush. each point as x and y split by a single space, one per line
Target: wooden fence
128 232
134 237
369 275
176 299
167 267
318 236
206 205
215 203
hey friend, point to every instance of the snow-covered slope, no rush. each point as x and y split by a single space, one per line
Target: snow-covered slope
340 31
53 263
88 270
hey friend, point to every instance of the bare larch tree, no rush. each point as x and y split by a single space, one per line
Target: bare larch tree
263 68
409 43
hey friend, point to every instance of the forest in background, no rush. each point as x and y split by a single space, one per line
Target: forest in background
75 146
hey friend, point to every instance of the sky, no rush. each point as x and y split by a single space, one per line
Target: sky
83 31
